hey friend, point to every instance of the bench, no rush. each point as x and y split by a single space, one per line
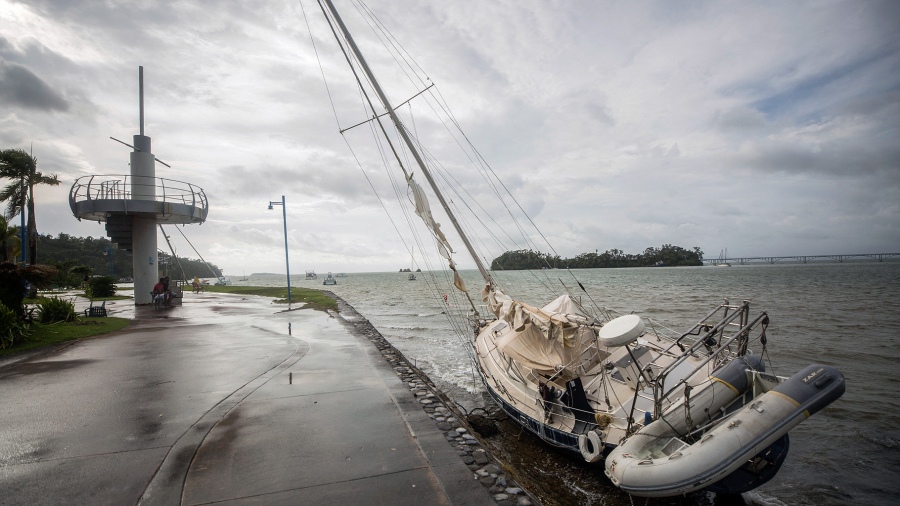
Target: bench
95 311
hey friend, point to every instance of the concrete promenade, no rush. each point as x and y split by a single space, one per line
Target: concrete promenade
226 399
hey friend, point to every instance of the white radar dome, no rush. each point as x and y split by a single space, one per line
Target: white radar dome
621 331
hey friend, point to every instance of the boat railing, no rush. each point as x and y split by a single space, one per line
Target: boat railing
127 187
723 347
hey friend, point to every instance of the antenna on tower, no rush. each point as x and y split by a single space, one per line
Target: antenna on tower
141 94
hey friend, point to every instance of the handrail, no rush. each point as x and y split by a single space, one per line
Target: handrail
742 334
118 187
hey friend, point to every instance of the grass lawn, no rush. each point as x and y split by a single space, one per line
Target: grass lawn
315 298
48 334
54 333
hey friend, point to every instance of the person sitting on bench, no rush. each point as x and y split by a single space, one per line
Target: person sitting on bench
160 294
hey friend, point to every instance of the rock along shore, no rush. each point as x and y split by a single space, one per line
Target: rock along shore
488 470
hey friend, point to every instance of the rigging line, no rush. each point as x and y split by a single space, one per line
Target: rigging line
400 191
482 165
448 177
479 163
579 304
476 161
401 56
394 185
371 185
380 30
405 56
321 68
432 233
383 157
445 108
395 44
489 169
172 249
359 82
445 174
198 254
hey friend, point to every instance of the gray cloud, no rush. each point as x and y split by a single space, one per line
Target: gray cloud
765 128
20 87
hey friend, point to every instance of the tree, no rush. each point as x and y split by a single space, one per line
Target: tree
21 168
8 240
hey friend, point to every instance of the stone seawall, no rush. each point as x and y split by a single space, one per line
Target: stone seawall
490 472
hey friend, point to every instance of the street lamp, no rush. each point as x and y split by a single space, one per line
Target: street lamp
287 262
109 252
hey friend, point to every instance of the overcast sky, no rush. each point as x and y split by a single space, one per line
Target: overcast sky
768 128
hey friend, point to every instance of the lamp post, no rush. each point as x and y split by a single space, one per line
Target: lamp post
109 252
287 262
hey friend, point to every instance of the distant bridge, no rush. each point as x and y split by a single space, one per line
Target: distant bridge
799 258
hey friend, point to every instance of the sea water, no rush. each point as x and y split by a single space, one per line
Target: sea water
841 314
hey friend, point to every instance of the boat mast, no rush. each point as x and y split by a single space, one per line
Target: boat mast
415 152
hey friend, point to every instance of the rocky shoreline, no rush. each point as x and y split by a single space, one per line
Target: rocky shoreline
485 468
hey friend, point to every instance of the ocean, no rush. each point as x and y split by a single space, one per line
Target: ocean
842 314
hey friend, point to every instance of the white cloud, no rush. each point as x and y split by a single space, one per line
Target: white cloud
769 128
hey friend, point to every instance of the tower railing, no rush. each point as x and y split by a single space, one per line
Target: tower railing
119 187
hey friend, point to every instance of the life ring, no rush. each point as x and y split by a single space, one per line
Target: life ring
591 446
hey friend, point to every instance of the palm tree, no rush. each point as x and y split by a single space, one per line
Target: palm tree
21 168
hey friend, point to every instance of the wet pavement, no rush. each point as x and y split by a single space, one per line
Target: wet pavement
226 399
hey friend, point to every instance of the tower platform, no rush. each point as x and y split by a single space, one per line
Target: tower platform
115 199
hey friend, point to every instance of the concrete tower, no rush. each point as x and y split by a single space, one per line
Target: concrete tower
132 206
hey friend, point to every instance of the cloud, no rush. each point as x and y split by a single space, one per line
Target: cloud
20 87
769 128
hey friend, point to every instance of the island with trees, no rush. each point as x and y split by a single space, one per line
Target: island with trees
665 256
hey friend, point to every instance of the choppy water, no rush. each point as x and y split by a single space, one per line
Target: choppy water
846 315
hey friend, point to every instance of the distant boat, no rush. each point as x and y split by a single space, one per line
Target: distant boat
329 280
723 259
311 275
244 278
341 275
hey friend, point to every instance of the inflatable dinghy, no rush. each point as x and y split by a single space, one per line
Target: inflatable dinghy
665 459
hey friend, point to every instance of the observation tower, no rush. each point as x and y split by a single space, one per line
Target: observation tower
133 205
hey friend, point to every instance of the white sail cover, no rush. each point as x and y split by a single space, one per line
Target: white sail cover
548 338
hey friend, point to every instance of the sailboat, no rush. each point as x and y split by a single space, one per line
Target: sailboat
661 412
412 265
722 261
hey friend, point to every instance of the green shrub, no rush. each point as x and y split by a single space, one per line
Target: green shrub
12 329
54 310
101 286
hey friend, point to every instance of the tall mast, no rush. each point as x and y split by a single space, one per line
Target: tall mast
415 152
